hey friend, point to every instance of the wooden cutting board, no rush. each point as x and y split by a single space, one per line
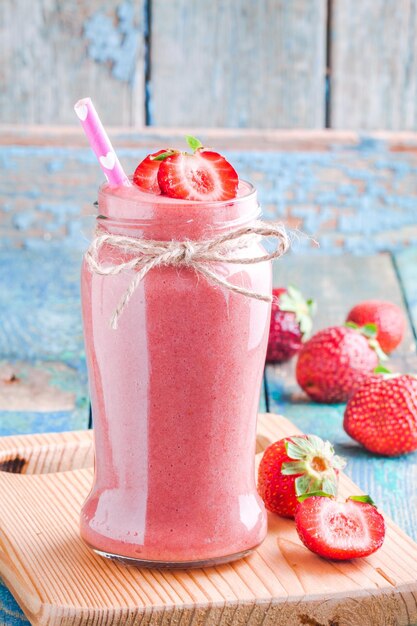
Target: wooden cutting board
57 580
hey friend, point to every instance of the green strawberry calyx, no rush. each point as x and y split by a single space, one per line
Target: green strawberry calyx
381 369
370 331
292 300
323 494
364 498
316 464
194 143
164 155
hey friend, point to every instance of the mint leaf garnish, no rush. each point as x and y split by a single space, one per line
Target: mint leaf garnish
193 142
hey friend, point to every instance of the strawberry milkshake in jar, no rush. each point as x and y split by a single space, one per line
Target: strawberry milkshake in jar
176 291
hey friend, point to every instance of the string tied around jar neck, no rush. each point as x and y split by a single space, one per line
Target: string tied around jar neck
147 254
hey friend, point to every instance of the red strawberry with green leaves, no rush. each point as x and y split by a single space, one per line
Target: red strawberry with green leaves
146 173
295 466
336 360
203 175
387 317
382 414
340 530
291 323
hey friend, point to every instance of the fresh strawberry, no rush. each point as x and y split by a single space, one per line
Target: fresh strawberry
146 173
340 530
382 414
291 323
295 466
388 318
336 360
203 175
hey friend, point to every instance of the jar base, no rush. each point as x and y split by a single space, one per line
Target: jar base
126 560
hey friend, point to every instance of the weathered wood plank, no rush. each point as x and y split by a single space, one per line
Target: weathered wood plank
373 64
406 266
245 64
43 379
249 139
262 399
24 386
53 53
337 283
10 612
358 200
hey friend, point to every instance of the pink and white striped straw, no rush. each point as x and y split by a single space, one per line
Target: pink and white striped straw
100 143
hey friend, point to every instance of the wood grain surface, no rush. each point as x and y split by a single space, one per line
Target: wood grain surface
406 267
245 64
57 580
373 64
265 64
241 139
208 63
47 61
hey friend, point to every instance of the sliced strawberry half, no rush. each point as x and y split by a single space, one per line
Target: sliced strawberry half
146 173
204 176
340 530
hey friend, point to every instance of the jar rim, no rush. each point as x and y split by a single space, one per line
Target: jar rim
143 197
127 209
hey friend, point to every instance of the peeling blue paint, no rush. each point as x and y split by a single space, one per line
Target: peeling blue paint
114 43
356 200
23 220
59 209
54 166
370 144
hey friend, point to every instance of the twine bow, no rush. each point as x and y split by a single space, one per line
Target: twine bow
196 255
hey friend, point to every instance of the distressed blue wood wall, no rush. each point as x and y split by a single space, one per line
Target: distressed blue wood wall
357 197
252 63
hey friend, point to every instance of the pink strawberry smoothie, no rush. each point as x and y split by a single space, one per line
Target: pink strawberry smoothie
175 391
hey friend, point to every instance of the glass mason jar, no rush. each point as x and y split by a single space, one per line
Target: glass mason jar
175 390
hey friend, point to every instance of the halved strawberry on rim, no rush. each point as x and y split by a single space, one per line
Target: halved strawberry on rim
204 175
146 173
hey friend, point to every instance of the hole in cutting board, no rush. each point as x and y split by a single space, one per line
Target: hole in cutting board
14 465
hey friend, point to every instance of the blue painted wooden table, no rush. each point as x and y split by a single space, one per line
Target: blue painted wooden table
43 383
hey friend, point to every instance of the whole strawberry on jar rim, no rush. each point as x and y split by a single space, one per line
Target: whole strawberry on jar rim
200 175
